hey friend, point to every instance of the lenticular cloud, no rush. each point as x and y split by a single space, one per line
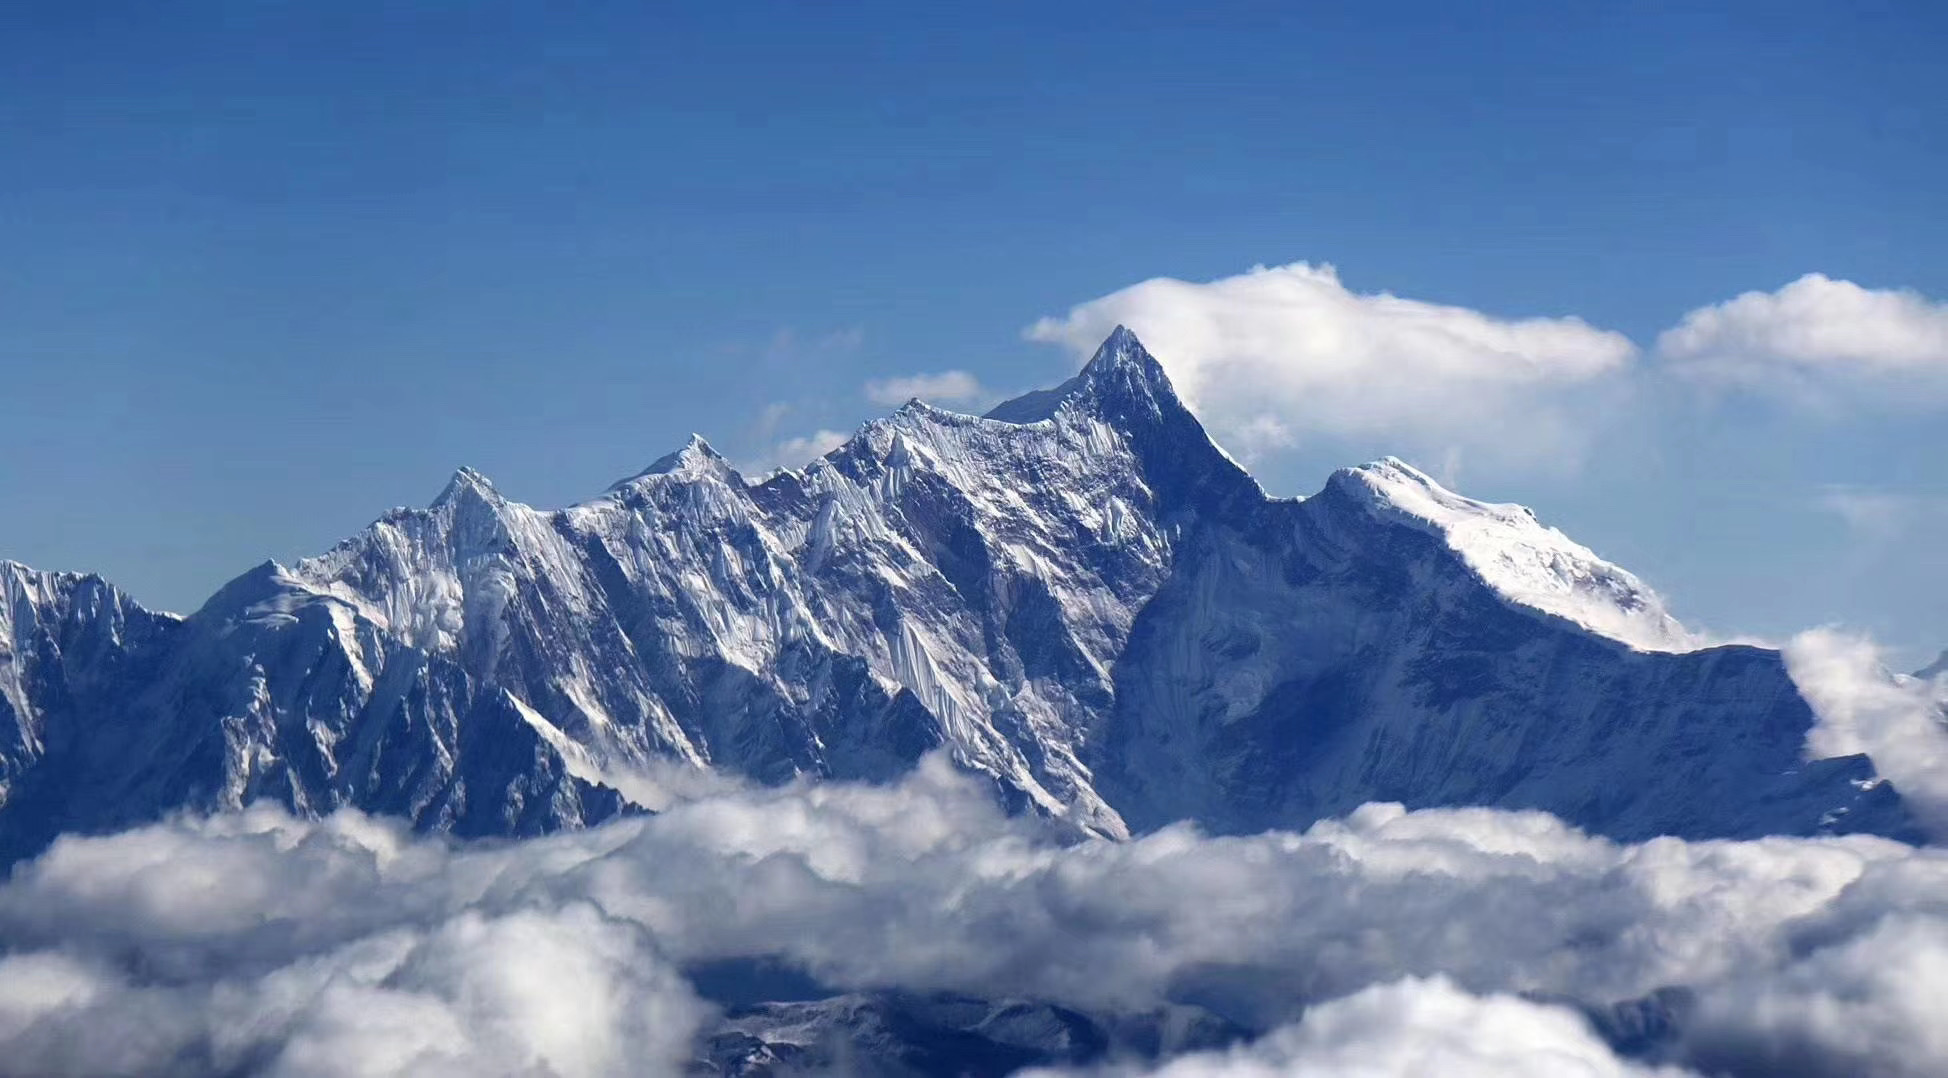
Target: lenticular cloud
1390 942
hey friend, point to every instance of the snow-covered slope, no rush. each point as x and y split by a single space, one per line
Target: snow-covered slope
1078 596
69 645
1523 560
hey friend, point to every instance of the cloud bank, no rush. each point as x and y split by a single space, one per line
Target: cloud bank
1277 354
1451 939
1414 1027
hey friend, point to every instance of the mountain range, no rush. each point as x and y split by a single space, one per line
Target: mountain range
1078 596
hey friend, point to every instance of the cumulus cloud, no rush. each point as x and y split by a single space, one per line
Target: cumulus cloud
1869 1005
1412 1028
1817 337
1282 354
255 942
259 944
1862 706
944 387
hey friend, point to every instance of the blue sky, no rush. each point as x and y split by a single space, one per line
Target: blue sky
269 268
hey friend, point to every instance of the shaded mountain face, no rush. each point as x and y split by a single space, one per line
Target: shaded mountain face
911 1035
1936 669
1078 596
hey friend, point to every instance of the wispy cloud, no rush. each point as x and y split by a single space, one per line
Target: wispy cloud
797 451
788 343
1879 516
946 387
781 450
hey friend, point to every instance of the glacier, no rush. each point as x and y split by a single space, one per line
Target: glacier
1078 597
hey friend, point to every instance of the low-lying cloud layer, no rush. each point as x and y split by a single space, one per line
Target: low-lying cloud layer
1451 940
1415 1027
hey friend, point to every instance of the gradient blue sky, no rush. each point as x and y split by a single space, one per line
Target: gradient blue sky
267 269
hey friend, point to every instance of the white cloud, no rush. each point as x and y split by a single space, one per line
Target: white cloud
1410 1029
769 417
1287 356
787 344
1866 1005
254 941
943 387
790 452
1877 516
797 452
1863 707
1816 337
1277 355
849 339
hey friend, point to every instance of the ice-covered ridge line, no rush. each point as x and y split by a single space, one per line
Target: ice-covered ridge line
38 609
24 594
1524 560
21 582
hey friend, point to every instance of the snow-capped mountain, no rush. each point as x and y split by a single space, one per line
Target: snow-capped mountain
70 645
1078 595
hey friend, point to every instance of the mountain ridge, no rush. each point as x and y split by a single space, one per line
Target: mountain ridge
1079 596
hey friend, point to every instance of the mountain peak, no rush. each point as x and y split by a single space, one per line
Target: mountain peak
466 481
694 460
20 581
1390 474
1124 387
1120 370
1390 483
1121 363
1120 348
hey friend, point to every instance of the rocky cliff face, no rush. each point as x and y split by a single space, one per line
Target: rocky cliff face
1078 596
